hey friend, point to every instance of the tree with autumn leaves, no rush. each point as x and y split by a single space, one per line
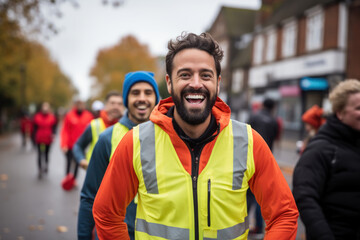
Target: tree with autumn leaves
28 74
113 63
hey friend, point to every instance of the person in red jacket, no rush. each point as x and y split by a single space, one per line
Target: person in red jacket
75 122
44 128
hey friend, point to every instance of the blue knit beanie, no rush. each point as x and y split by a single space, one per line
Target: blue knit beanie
140 76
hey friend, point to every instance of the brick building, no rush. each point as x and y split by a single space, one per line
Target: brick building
232 29
300 50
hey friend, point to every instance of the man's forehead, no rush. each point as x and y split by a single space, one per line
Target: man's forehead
141 85
190 56
117 97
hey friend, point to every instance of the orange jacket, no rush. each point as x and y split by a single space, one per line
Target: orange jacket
268 184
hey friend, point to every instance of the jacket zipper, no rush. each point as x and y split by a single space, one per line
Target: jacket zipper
208 203
195 174
195 197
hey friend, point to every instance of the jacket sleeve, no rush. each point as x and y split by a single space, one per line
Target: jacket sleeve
309 180
273 194
81 144
35 125
112 199
98 163
64 134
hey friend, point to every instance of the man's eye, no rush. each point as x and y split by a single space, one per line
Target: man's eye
206 76
184 75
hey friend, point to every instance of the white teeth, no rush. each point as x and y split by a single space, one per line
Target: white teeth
194 97
142 107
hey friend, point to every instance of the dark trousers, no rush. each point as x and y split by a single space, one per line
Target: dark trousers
251 201
69 159
43 152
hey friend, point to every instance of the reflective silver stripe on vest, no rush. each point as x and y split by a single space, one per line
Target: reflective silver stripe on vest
232 232
163 231
97 121
147 155
240 153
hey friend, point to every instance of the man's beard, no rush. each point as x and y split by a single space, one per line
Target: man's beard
193 116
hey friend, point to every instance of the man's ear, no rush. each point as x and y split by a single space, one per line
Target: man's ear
168 83
339 115
218 85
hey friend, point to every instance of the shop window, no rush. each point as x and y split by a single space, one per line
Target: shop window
290 112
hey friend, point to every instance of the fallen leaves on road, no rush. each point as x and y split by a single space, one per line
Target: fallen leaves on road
4 177
50 212
6 230
20 238
62 229
36 227
287 170
32 227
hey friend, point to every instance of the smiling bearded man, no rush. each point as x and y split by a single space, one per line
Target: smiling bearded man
191 165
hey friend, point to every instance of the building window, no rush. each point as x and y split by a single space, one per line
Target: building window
258 49
224 47
289 39
244 41
314 30
237 80
271 45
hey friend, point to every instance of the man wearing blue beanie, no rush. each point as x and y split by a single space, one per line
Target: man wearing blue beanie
140 76
140 95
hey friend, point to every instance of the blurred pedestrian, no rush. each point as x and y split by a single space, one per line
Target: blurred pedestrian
313 119
111 114
191 165
96 107
326 181
26 127
44 128
264 122
75 122
140 94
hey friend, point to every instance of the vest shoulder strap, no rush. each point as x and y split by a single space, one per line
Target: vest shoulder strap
119 130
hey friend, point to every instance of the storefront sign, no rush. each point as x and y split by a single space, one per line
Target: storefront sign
308 84
289 91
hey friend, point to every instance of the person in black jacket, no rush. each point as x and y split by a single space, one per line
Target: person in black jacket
326 181
265 123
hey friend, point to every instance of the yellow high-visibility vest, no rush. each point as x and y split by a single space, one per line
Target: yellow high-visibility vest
165 194
97 126
118 133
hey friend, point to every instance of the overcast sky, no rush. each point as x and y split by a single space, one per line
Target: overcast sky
92 26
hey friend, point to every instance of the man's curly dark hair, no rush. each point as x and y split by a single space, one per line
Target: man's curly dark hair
204 42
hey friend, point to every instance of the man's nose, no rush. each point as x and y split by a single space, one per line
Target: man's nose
142 96
196 81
